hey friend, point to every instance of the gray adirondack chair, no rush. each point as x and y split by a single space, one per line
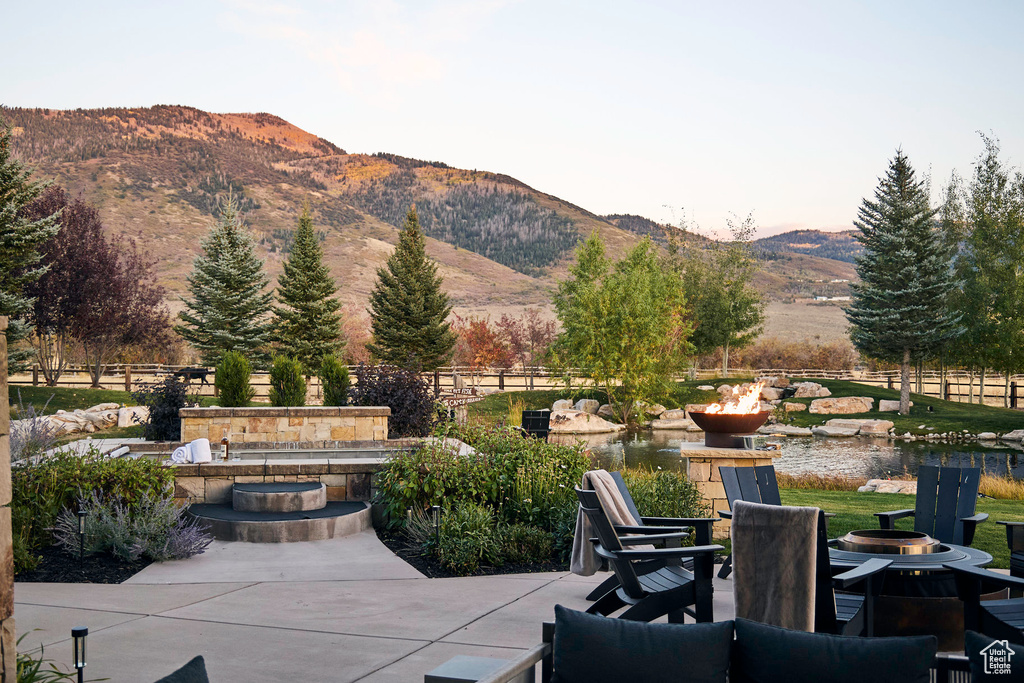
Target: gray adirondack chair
945 506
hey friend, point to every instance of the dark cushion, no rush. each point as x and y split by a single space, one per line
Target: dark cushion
769 654
1003 660
592 649
193 672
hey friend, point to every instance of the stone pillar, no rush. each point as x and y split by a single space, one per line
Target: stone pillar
8 656
703 472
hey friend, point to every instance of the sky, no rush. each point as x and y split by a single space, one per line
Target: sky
674 110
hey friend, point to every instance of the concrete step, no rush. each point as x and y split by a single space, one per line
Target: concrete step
279 497
341 518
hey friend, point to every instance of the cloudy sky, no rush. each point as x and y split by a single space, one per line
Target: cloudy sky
670 109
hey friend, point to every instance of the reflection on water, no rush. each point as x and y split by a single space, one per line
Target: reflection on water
854 456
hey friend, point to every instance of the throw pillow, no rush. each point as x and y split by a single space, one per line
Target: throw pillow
994 660
193 672
593 649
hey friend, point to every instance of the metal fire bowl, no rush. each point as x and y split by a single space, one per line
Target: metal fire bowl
719 423
889 542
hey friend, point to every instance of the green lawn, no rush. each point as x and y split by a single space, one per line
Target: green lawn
65 398
856 511
946 416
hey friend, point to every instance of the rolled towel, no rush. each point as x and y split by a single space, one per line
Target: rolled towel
117 453
201 450
181 455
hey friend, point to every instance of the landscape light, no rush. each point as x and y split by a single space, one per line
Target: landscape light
81 534
435 513
78 635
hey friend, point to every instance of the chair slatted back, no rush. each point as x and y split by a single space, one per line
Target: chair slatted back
537 423
591 506
825 595
750 484
620 484
945 495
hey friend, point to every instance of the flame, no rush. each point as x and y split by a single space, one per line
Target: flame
740 404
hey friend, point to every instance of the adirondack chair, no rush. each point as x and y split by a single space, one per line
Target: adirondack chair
850 614
670 590
946 500
995 618
1015 540
753 485
702 529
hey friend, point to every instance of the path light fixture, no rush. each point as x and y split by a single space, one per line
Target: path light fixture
435 514
78 635
82 513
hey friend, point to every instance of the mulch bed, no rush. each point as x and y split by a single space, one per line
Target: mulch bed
57 566
431 568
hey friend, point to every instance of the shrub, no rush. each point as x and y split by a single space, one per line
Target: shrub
164 399
335 381
33 434
232 380
524 544
404 391
287 385
664 493
154 527
40 490
467 538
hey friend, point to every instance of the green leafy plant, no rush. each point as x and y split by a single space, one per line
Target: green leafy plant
35 667
40 490
522 543
287 385
664 493
164 399
335 381
232 380
468 538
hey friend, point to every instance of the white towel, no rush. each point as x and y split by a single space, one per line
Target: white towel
200 450
181 455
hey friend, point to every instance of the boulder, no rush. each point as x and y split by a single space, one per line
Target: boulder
987 436
771 394
132 415
103 407
657 410
698 407
825 430
889 486
674 414
810 390
784 430
674 424
794 407
606 411
775 382
885 406
865 427
1015 435
562 404
705 387
578 422
725 391
841 406
587 405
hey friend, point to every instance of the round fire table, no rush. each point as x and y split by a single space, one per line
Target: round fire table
918 594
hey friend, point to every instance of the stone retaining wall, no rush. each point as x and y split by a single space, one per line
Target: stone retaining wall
210 482
281 425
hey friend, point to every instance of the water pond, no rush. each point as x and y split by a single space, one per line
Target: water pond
852 456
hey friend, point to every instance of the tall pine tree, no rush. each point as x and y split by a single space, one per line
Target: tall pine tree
20 239
307 322
408 307
900 310
228 309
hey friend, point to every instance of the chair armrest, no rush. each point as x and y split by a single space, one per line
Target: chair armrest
858 574
1009 524
886 520
725 514
524 662
659 553
984 576
702 526
970 524
626 529
1014 535
830 515
641 540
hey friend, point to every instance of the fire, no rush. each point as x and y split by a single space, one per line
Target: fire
741 404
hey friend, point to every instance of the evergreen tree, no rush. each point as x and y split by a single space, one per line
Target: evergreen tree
900 310
308 320
20 239
408 307
228 309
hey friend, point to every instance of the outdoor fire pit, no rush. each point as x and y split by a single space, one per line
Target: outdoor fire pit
727 430
888 542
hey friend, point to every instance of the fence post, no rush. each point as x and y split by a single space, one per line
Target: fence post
128 378
501 380
1013 394
35 375
945 390
890 381
437 383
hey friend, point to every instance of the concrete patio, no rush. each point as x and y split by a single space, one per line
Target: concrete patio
340 610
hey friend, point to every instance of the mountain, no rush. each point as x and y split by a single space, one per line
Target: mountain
158 174
839 246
